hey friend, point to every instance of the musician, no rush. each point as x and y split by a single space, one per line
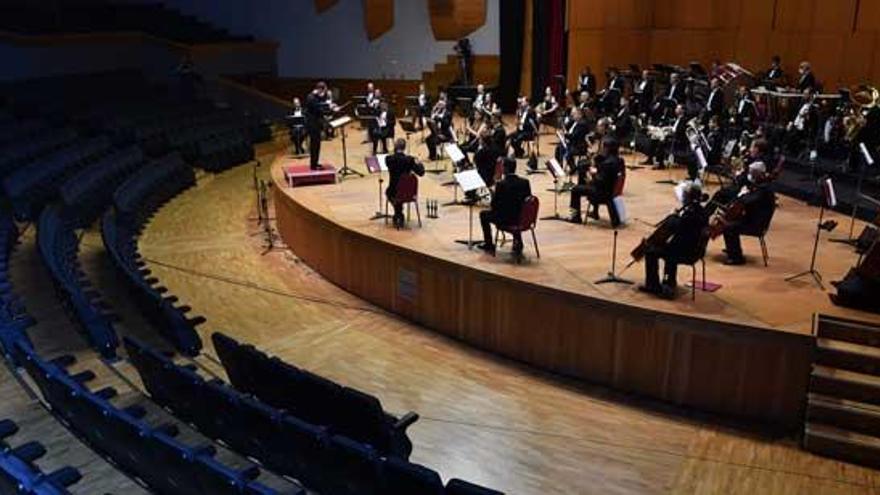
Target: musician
441 129
475 129
489 107
507 202
479 101
807 80
774 75
548 107
296 121
644 93
676 91
526 127
318 103
686 228
383 127
599 189
485 158
423 107
715 102
574 141
612 93
715 139
676 141
802 130
758 202
745 113
623 121
587 82
499 133
758 152
399 164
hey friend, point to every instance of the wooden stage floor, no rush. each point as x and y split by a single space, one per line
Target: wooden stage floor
573 256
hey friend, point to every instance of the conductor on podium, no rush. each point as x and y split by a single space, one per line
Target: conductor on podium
399 164
317 104
507 202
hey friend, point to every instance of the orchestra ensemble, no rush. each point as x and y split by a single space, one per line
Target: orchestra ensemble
727 122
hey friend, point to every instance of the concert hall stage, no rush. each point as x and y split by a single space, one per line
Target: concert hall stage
743 351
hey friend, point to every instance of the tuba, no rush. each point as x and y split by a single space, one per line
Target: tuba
862 102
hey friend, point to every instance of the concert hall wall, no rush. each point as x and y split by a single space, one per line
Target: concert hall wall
334 43
839 37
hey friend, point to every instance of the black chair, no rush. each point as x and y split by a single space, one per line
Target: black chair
459 487
400 477
355 468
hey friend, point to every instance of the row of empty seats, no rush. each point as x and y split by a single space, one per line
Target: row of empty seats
18 473
86 194
321 457
134 202
29 148
14 319
152 454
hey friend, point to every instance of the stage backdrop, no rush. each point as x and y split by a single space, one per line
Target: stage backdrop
840 37
334 43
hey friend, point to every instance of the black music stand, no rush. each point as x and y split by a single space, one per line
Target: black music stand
409 128
613 277
376 165
556 172
345 171
829 200
868 162
469 180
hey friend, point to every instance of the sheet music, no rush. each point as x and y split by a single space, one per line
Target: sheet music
701 158
469 180
555 169
454 152
376 164
340 121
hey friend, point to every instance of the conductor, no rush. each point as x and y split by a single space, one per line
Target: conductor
507 202
317 104
399 164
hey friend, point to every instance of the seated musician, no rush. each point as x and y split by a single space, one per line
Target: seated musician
745 112
807 79
758 202
714 103
507 202
547 108
296 121
587 82
485 158
383 127
687 229
599 189
801 131
499 133
612 93
423 107
643 93
475 129
399 164
478 106
676 91
759 151
441 129
623 121
370 95
574 142
526 127
676 142
775 74
715 138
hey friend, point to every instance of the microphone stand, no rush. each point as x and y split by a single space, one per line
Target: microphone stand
612 277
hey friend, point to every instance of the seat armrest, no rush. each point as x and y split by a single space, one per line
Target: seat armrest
405 421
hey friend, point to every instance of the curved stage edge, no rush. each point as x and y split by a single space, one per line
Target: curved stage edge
750 373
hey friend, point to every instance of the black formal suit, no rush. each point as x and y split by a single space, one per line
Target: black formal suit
526 129
507 202
587 83
746 115
382 133
644 93
676 92
440 133
807 80
774 73
315 107
688 229
678 143
576 142
485 160
714 106
760 203
600 190
399 164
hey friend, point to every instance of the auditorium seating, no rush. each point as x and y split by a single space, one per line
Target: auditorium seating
24 149
321 457
59 247
152 454
14 319
18 473
313 398
86 194
29 17
134 202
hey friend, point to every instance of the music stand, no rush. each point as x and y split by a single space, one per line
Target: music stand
340 123
376 165
457 156
829 200
556 172
869 161
469 180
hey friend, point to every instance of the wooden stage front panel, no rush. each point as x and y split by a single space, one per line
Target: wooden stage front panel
717 354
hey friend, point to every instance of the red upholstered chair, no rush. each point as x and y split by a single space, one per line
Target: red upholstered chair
407 193
528 218
499 169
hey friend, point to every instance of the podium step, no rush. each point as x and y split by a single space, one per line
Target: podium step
844 384
841 444
848 356
844 414
848 331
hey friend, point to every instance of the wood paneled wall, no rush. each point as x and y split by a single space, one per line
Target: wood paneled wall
455 19
756 374
840 37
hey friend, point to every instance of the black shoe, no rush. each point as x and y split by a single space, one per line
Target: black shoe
735 261
649 289
489 248
575 218
317 167
594 214
667 291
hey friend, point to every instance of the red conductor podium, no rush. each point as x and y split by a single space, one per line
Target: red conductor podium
298 175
